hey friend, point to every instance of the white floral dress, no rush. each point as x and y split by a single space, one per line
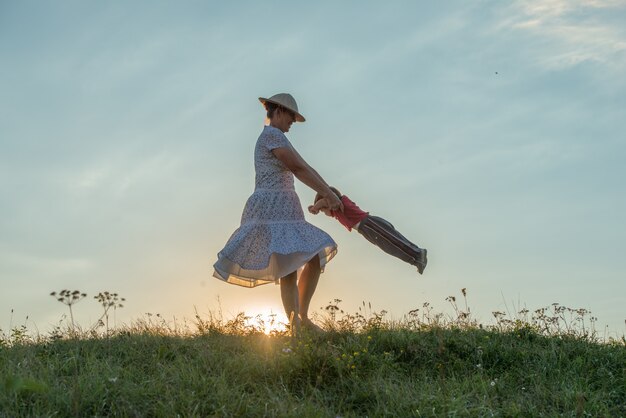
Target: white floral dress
273 239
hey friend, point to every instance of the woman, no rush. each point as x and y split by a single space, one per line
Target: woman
273 240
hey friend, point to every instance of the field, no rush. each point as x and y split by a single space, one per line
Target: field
543 363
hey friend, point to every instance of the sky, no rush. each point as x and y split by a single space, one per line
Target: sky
491 133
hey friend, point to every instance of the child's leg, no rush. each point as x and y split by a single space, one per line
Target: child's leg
382 234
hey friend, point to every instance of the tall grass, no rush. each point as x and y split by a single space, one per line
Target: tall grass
548 362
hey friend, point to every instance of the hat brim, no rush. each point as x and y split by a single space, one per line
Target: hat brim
299 117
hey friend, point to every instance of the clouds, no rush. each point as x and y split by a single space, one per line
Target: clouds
574 31
117 176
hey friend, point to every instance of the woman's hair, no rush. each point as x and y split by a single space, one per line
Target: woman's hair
337 192
273 107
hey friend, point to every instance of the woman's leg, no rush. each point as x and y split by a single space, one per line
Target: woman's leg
306 286
289 296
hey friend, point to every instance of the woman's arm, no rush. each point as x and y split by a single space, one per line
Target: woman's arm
307 175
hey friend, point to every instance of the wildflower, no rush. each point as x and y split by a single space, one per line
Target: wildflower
369 337
493 383
113 379
479 366
287 350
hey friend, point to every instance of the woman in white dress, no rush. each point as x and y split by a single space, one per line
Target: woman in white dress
273 240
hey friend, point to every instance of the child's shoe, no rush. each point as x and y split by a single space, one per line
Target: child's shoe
422 260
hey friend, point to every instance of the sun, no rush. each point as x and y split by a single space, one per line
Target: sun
267 319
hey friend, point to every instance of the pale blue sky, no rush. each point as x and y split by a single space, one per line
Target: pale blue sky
491 133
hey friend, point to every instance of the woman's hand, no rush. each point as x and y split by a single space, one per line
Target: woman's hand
334 203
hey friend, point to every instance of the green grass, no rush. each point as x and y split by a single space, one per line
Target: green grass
364 366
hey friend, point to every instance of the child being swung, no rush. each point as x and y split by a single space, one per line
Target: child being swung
375 229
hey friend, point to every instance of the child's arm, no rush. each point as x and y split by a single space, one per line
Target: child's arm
319 205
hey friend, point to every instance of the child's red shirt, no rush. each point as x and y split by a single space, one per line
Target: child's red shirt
351 214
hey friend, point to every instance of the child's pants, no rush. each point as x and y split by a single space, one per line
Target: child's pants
381 233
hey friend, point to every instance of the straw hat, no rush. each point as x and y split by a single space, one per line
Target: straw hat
285 100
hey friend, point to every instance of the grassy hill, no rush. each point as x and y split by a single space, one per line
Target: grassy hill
363 366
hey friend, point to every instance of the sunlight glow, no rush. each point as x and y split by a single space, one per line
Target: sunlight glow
266 319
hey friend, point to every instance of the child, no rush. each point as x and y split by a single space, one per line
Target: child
376 230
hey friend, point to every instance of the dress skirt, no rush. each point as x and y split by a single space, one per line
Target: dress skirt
272 241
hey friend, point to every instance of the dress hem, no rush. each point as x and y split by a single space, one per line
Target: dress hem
279 265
